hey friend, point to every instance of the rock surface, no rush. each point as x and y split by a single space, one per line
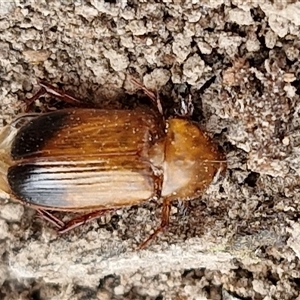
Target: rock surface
241 62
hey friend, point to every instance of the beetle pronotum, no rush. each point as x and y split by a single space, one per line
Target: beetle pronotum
95 160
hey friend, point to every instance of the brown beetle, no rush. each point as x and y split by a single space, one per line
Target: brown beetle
95 160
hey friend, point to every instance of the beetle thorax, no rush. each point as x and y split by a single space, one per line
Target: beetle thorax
191 160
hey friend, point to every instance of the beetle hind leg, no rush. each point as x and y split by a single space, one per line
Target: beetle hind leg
165 220
73 223
44 214
83 219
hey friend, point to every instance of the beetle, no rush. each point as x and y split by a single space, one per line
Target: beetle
95 160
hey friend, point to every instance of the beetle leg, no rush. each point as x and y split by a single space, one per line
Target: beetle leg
60 94
44 214
80 220
153 96
47 88
29 101
165 217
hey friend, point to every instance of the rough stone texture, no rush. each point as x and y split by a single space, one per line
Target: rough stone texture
240 58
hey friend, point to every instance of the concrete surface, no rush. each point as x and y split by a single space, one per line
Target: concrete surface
241 61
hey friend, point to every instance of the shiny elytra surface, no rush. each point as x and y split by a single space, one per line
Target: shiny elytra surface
85 158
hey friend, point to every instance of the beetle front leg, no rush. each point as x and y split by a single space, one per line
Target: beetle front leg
47 88
153 96
165 219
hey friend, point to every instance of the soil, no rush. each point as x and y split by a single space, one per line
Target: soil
239 62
